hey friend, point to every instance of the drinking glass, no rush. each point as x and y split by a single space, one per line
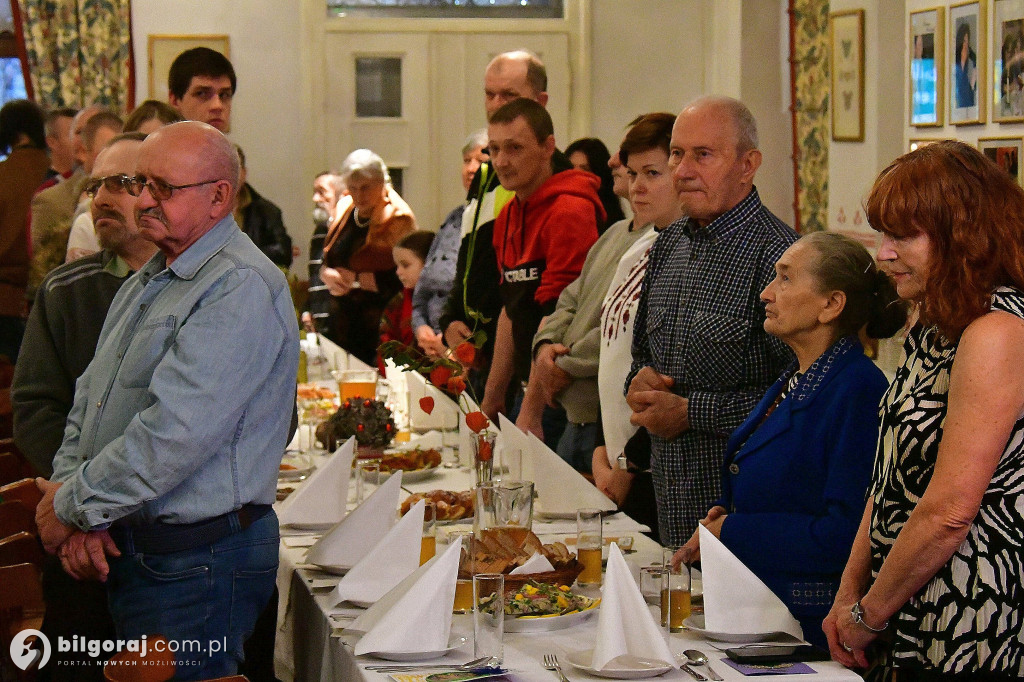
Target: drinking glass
367 478
675 592
588 545
483 456
464 583
650 583
428 542
512 463
504 504
488 616
356 383
696 590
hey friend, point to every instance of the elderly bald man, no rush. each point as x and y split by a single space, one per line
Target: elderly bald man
163 484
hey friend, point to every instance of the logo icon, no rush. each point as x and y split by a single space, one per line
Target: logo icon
26 655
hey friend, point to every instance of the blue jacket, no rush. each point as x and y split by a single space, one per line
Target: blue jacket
794 485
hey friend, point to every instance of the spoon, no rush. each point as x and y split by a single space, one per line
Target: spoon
698 658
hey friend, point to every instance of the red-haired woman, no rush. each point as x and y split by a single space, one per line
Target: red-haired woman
935 580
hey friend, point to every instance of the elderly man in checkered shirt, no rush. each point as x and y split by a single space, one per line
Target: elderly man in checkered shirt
701 358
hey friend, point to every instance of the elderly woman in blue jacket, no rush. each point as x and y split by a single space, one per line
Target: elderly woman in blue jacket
796 471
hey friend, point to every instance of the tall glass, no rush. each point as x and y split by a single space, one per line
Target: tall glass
483 456
464 583
675 592
489 616
512 463
367 478
357 383
428 542
589 541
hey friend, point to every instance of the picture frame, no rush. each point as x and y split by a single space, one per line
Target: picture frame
163 49
1007 60
916 143
966 62
846 36
926 73
1006 153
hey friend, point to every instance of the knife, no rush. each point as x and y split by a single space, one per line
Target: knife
693 673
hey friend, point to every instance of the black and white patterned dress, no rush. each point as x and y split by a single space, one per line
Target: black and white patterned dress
970 616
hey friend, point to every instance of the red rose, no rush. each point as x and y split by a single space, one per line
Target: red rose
427 404
476 421
465 352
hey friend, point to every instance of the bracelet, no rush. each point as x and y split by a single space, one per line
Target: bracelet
857 611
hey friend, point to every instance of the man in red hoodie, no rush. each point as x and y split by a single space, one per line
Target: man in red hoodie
542 236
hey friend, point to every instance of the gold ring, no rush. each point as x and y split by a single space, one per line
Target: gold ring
448 353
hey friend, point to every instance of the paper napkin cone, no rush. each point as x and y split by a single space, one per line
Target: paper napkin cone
538 563
625 624
735 600
560 488
445 414
391 560
351 539
320 501
416 616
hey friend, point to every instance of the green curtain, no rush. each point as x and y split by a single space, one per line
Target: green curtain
79 52
811 111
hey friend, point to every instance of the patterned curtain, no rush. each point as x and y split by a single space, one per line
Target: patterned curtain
809 59
79 52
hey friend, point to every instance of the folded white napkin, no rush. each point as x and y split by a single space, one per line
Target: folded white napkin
735 600
350 540
561 490
625 624
538 563
445 414
320 501
426 441
391 560
416 616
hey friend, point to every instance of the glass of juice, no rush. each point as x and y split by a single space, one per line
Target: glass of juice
675 592
464 583
428 543
589 541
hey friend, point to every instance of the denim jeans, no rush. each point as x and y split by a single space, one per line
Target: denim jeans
205 601
576 445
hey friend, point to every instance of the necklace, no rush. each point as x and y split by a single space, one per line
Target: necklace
355 214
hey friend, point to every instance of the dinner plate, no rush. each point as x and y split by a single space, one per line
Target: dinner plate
624 667
410 476
454 643
696 623
548 623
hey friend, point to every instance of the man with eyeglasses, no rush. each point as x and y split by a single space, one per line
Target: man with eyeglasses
164 482
60 341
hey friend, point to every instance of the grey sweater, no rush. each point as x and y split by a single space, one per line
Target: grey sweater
576 322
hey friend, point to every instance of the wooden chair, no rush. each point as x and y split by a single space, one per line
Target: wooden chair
21 601
21 548
132 666
16 518
25 491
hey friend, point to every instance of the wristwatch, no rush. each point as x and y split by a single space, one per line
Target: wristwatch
622 462
857 611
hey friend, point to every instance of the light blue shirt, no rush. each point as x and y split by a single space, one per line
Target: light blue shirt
184 412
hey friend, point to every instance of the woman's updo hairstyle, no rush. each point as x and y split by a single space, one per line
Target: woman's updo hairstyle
843 264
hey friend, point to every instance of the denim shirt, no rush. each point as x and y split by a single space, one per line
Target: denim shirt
184 412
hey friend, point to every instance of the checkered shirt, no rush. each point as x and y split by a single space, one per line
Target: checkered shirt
700 321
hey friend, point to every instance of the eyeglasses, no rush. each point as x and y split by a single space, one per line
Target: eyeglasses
115 184
160 190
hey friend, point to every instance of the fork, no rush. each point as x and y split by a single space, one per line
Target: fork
551 663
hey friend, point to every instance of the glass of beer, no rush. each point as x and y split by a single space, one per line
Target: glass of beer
357 383
589 541
675 592
464 583
428 543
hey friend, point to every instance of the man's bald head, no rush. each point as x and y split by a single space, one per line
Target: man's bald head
194 172
512 75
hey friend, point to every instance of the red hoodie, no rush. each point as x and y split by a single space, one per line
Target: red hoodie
541 244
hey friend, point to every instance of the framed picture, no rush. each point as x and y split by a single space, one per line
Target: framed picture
1008 60
918 142
926 58
966 63
847 41
1004 152
163 49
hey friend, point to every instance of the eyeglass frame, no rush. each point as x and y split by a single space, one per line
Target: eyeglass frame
94 184
137 185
